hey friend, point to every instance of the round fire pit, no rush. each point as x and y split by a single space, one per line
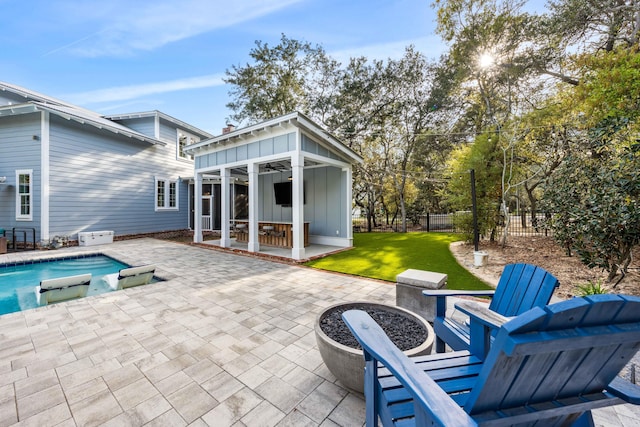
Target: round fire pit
341 352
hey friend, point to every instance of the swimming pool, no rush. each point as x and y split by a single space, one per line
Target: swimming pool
18 281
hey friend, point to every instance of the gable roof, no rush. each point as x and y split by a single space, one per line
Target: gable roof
79 116
160 114
31 95
35 101
296 119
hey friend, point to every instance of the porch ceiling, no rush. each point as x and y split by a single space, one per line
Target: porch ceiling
267 168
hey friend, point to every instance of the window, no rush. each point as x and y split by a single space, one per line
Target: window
166 194
24 195
185 139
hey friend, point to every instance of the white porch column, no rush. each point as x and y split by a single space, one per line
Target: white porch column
254 243
348 172
197 209
225 180
297 211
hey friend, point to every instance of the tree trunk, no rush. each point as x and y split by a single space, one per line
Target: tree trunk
533 202
369 211
403 213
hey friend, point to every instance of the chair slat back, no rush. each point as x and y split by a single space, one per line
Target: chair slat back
564 350
522 287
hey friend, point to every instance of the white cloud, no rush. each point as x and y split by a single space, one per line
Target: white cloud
431 46
145 26
124 93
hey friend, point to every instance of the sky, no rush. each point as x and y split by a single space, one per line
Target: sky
128 56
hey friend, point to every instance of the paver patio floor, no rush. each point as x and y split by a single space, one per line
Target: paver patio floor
226 340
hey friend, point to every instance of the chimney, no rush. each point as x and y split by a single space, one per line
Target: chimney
228 129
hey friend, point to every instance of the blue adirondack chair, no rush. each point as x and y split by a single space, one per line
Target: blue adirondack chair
521 287
547 367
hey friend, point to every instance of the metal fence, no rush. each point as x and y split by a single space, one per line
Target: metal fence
444 222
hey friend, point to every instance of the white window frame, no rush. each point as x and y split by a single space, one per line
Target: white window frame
170 202
189 139
19 215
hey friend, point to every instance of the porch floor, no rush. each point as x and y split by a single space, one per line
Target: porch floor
311 251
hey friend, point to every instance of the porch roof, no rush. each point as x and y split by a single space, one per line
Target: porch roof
296 119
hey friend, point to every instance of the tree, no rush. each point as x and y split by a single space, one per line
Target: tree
411 110
596 191
481 156
291 76
495 50
597 197
383 110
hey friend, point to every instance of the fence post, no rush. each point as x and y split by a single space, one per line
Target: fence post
474 210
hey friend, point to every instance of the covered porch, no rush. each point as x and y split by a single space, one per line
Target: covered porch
284 183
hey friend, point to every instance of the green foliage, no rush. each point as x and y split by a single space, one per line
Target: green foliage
463 223
595 193
383 110
591 288
610 87
596 197
483 158
281 80
385 255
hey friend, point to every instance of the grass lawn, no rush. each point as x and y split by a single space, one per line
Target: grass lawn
385 255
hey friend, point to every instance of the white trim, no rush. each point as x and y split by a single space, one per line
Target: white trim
197 207
20 216
44 176
225 240
348 173
254 198
330 241
167 195
80 116
297 199
281 125
160 115
156 127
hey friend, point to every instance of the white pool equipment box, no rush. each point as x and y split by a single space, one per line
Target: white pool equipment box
90 238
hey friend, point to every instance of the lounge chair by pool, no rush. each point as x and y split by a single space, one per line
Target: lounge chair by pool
134 276
63 288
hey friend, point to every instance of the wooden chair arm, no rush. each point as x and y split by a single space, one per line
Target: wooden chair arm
432 405
483 323
481 313
456 292
625 390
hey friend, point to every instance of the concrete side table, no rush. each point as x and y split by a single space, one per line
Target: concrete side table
409 286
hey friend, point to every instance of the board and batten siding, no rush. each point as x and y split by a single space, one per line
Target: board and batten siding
252 150
19 150
311 146
324 192
102 181
324 187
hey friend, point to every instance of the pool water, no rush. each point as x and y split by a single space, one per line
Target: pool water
18 281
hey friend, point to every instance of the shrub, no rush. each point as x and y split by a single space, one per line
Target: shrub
591 288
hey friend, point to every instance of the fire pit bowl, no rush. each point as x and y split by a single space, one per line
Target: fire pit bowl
341 352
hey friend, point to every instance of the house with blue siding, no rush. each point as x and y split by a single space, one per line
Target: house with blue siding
66 170
285 182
